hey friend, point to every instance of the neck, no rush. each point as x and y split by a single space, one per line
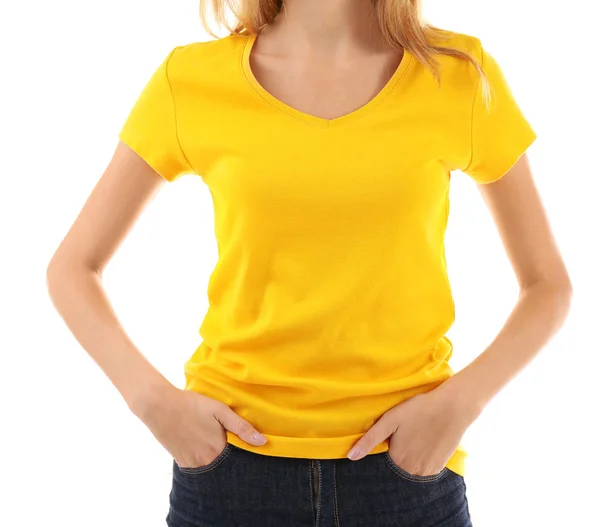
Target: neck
318 27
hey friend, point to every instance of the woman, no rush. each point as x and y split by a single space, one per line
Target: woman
321 393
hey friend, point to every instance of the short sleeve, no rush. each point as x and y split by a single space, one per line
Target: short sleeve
500 133
150 129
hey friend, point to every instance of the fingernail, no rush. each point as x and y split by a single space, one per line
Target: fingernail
354 453
259 439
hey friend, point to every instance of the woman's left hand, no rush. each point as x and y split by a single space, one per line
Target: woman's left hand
425 431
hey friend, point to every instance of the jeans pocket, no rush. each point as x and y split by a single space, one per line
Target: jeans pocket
192 471
399 471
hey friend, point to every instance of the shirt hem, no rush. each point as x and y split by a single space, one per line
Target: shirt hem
327 448
507 162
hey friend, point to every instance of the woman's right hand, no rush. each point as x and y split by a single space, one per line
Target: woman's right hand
191 426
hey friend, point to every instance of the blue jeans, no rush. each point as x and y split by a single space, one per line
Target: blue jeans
245 489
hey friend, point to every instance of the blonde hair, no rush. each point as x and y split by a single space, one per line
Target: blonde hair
401 23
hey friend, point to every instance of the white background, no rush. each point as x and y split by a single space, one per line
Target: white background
72 454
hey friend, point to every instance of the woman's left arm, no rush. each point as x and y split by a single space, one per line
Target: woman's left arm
426 429
545 289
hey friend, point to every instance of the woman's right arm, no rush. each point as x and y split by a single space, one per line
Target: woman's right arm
189 425
74 275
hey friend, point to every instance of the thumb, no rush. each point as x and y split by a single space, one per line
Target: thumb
380 431
240 427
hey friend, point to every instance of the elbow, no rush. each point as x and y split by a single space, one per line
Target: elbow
556 292
563 288
564 295
61 270
55 273
568 294
567 288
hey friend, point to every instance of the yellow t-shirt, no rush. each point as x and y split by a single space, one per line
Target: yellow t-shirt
330 300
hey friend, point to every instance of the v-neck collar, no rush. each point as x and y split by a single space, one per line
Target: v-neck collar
313 120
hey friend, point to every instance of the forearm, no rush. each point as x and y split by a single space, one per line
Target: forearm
539 313
81 301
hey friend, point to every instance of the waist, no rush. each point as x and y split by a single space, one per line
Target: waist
312 418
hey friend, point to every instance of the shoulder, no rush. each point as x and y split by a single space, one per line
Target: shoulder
201 52
204 61
464 42
459 72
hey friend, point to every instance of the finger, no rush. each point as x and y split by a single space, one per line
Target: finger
380 431
239 426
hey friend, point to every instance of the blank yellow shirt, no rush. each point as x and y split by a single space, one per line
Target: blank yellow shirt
330 300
